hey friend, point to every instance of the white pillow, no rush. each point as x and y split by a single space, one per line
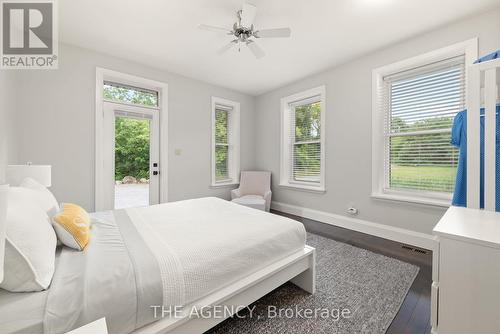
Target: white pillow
45 198
30 244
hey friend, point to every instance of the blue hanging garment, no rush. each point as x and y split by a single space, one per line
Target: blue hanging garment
493 55
459 139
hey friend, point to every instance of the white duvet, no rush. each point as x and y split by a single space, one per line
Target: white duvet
204 244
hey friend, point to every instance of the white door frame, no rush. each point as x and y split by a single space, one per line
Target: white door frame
162 89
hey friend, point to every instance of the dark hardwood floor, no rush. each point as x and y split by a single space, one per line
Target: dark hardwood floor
414 315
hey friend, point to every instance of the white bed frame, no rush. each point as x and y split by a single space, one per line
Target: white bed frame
299 268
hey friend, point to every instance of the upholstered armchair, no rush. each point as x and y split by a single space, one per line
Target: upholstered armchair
254 190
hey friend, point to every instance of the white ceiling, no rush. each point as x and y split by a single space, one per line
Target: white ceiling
164 33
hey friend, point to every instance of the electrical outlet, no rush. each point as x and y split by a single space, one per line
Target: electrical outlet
352 211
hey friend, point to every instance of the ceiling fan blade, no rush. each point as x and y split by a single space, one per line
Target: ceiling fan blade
248 15
213 28
227 47
267 33
256 50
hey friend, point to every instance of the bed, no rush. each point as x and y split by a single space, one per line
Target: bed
146 269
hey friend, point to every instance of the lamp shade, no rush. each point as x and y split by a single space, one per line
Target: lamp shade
3 213
40 173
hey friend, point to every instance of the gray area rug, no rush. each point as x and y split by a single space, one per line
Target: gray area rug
370 286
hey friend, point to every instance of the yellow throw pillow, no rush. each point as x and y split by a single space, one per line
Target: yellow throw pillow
72 226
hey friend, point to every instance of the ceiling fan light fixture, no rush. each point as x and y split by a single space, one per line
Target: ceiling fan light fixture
243 30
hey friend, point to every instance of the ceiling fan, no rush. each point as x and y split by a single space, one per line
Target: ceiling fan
243 32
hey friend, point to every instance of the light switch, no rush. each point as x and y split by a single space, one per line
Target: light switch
178 151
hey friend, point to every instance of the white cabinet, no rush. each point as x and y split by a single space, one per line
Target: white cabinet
465 292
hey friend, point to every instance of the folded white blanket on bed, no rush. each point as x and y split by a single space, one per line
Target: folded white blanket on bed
205 244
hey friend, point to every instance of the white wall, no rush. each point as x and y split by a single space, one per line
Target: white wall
3 124
348 132
54 119
7 149
54 124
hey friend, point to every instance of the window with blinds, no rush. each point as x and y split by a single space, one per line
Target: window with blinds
221 144
306 148
225 142
302 142
419 106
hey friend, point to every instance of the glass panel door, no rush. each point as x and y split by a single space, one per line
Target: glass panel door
132 161
132 156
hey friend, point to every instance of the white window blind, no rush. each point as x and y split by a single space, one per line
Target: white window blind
305 121
419 106
225 142
222 145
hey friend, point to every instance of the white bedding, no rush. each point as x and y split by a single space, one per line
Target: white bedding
205 244
171 254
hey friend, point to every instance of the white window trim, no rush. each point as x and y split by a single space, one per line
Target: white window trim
470 49
233 139
285 151
102 75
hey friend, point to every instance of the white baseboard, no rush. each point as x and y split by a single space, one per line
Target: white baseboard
417 239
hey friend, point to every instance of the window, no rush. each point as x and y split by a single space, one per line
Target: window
221 145
225 142
415 109
302 148
107 99
116 92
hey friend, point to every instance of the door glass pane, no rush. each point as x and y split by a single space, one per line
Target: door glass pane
132 154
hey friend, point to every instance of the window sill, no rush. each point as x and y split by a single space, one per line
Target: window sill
224 184
303 187
408 198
